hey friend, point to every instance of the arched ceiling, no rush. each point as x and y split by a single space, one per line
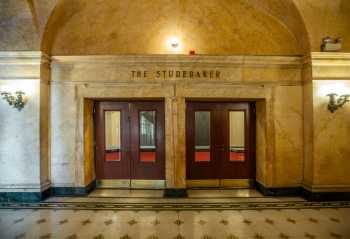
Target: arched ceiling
24 25
143 27
17 28
326 18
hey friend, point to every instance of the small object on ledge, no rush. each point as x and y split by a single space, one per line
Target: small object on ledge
16 100
192 52
330 45
336 102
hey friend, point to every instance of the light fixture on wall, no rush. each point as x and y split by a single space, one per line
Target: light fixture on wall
331 45
16 100
336 102
174 44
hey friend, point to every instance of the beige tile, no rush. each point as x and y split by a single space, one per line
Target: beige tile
167 224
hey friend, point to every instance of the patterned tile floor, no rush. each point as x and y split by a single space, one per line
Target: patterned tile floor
325 223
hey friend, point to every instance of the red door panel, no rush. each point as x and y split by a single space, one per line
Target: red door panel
112 163
236 163
147 140
130 140
228 152
201 160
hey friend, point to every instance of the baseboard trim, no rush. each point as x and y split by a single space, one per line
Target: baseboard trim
309 195
175 192
326 188
91 186
73 191
25 196
303 192
52 191
325 196
282 192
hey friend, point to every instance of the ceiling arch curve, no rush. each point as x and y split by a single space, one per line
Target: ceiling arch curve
215 27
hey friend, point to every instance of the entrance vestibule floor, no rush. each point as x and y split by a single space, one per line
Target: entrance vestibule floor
192 193
196 196
146 214
69 223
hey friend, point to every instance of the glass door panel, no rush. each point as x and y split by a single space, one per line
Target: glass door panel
147 126
112 136
202 136
237 136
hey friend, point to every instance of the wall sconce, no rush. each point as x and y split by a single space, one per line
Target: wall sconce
336 102
331 45
16 100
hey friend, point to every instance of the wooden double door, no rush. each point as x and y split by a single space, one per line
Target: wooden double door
129 141
220 141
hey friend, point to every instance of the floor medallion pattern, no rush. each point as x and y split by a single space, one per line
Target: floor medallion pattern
77 222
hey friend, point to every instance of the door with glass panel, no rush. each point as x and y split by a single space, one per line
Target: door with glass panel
219 143
129 143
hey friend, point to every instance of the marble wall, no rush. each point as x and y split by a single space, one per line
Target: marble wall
288 123
298 141
275 82
327 157
23 162
331 137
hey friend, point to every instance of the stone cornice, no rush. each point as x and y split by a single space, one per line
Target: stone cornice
330 59
183 60
329 65
22 58
21 65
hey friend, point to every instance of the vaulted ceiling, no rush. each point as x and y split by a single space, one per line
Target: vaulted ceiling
75 27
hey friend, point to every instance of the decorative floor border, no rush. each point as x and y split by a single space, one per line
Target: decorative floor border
174 206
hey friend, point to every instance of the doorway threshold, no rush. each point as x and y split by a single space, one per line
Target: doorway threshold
194 195
158 193
126 193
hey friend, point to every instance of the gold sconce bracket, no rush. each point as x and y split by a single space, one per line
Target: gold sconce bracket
336 102
17 100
